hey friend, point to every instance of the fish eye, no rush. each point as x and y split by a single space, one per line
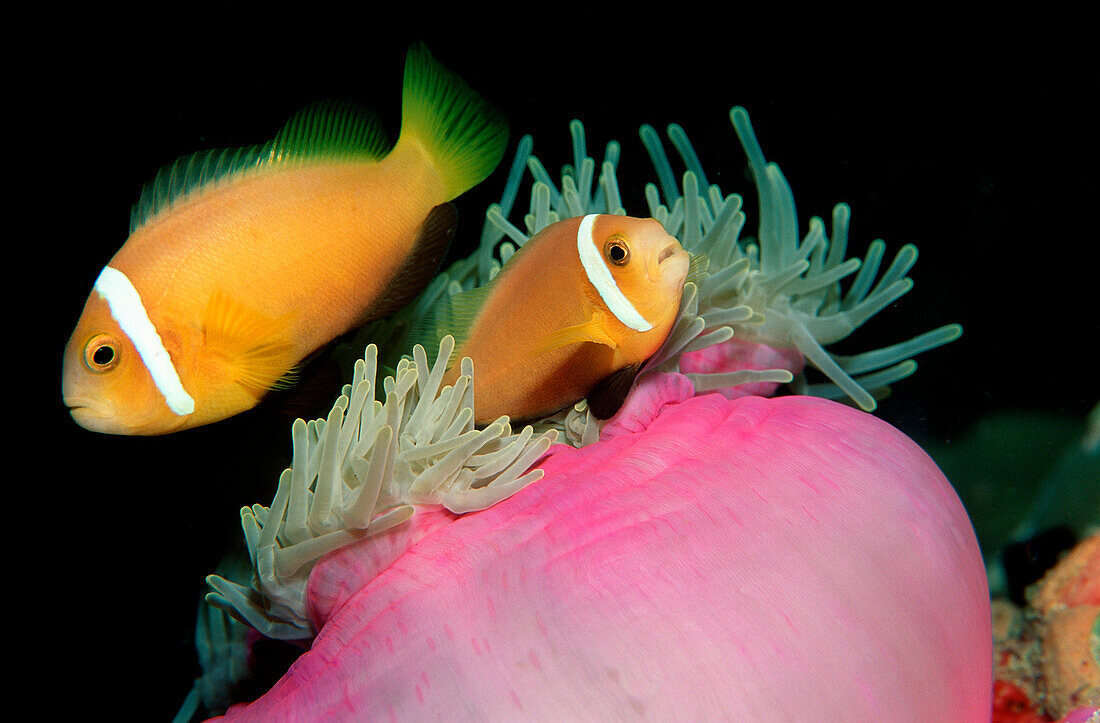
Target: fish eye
616 251
101 353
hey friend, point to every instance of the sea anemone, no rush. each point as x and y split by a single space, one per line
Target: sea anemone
711 556
772 298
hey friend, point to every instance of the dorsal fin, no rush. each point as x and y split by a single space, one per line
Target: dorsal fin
329 129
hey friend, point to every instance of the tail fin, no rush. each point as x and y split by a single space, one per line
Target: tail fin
463 135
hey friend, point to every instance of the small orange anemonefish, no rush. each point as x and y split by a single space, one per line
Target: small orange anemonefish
242 263
573 314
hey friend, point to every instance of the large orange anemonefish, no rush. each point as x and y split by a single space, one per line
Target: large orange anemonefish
574 314
242 263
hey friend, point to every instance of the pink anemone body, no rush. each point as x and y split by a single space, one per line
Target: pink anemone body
710 558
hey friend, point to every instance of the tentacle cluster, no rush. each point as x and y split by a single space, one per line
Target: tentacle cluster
792 286
775 289
359 472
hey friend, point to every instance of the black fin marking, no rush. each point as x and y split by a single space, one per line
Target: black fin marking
609 394
433 240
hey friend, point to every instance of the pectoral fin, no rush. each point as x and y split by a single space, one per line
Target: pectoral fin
609 394
697 268
256 351
591 330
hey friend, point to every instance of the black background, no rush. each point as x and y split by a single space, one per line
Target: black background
979 151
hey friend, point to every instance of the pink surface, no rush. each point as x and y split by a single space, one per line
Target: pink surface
749 559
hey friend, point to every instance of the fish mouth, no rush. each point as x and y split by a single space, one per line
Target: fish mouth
667 252
671 267
88 410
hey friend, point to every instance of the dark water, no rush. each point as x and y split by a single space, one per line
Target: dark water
982 158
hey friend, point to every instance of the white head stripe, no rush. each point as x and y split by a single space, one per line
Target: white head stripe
601 278
126 308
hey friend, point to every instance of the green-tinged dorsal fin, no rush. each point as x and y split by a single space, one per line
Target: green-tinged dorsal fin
256 350
422 263
329 129
454 315
591 331
609 394
188 174
461 132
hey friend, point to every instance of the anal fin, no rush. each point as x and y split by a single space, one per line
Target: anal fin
422 263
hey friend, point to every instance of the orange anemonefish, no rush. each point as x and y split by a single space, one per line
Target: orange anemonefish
242 263
573 314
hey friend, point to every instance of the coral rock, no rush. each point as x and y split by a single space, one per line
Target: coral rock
1068 602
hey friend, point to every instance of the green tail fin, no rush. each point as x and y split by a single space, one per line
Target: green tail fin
464 135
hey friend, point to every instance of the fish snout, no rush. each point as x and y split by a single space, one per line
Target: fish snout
661 252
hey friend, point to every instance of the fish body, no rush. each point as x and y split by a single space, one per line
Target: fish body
241 264
573 314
